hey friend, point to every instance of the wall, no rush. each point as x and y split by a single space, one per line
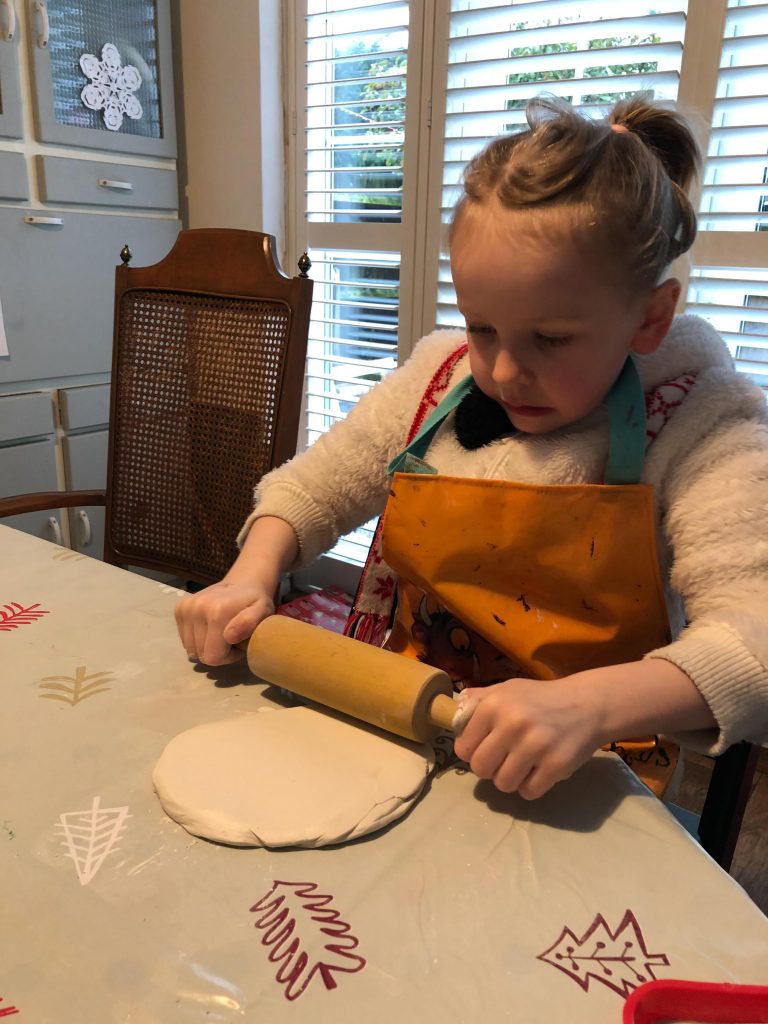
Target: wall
230 114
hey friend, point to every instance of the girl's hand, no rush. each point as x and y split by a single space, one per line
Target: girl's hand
528 734
210 621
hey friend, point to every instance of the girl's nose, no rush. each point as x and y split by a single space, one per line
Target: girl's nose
508 367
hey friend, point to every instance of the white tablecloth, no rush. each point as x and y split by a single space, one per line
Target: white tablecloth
475 907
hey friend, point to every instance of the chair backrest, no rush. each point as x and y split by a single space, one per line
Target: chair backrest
208 364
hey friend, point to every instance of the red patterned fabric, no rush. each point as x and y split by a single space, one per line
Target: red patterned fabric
661 403
369 619
372 609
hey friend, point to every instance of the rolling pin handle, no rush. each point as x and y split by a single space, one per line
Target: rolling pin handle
442 711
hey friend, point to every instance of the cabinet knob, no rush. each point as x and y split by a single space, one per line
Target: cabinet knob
43 35
9 31
53 522
43 221
125 186
85 527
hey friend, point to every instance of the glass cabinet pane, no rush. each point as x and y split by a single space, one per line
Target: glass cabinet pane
104 65
102 74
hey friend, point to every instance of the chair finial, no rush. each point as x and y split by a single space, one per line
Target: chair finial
126 255
305 264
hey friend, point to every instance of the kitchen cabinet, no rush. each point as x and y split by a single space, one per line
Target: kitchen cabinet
96 172
28 458
84 417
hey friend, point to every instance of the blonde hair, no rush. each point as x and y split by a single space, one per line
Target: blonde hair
622 182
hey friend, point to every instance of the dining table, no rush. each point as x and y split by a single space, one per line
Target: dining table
476 906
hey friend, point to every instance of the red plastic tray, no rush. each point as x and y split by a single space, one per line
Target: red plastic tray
702 1002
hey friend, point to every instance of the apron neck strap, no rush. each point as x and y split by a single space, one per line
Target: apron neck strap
626 412
626 415
417 449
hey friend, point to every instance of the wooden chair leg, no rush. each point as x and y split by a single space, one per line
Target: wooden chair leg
726 801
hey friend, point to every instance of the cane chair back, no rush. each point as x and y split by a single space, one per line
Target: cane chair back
208 366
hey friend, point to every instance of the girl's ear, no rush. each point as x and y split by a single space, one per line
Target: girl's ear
657 318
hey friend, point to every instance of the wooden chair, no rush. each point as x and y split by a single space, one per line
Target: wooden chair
207 372
717 827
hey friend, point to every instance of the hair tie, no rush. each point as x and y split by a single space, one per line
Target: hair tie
619 128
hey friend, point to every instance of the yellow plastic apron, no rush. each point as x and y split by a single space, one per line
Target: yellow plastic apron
500 579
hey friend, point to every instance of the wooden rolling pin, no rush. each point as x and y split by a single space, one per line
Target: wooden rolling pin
387 690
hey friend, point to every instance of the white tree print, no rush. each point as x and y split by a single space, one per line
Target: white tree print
91 835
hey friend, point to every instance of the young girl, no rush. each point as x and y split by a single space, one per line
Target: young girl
575 532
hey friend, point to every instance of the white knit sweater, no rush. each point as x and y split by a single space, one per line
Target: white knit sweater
708 467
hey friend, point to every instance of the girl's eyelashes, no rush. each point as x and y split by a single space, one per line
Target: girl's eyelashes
549 339
553 339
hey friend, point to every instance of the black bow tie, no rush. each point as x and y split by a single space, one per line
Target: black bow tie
479 420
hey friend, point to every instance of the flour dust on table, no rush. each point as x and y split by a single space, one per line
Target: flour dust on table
289 777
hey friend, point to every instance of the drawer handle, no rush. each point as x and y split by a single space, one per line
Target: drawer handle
126 186
85 524
53 522
50 221
42 10
10 30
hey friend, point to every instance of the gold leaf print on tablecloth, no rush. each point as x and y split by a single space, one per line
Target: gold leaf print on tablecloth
91 836
73 689
66 555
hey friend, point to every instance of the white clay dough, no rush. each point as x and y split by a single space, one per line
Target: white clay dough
290 777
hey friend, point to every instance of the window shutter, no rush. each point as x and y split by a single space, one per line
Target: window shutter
502 55
729 282
355 62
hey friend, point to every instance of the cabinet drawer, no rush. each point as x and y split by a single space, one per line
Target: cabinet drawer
24 469
90 182
28 415
85 458
28 467
13 176
86 406
57 284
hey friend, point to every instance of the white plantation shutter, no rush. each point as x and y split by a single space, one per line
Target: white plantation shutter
395 96
729 280
349 202
500 55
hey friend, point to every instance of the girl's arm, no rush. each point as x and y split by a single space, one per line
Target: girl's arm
528 734
210 621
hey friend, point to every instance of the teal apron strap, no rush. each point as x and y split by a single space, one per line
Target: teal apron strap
626 413
412 459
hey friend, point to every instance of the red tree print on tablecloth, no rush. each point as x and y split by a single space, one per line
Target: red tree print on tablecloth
278 910
7 1011
14 615
618 959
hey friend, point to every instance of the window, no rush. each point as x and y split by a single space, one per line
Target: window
398 96
729 258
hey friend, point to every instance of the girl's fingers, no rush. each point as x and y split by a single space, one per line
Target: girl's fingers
245 622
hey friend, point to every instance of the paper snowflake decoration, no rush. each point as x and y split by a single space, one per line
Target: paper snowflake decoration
111 87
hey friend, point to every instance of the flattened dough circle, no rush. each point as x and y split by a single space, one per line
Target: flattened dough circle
289 777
